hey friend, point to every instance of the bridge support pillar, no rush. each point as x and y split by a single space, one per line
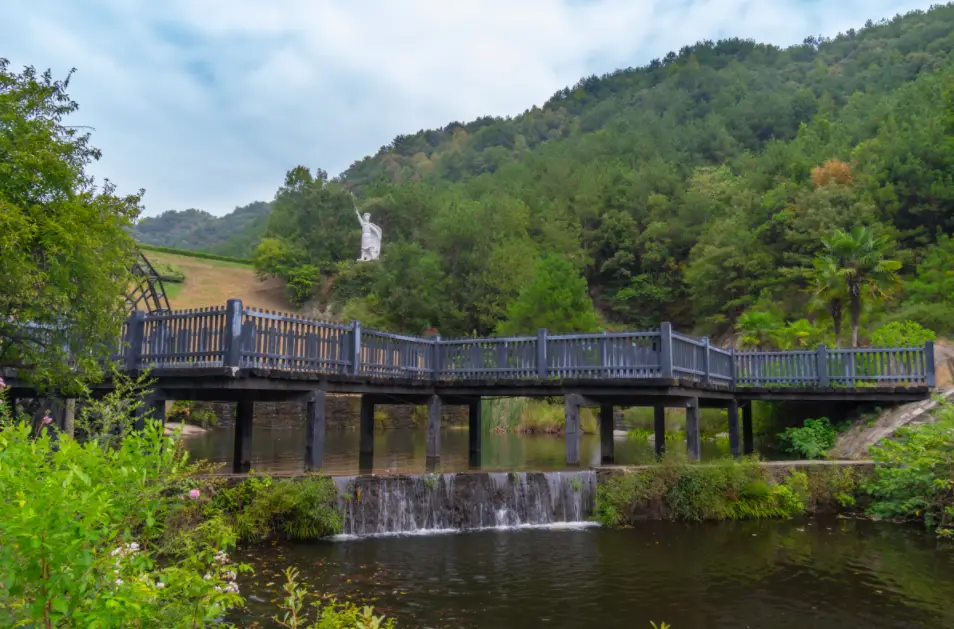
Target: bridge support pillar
242 452
659 429
433 433
607 455
748 443
733 415
315 430
474 433
693 438
366 440
571 406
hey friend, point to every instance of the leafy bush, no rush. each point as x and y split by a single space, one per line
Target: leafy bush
261 508
914 475
726 490
901 334
169 272
85 535
189 413
812 440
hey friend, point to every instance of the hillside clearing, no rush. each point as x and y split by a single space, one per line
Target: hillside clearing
213 282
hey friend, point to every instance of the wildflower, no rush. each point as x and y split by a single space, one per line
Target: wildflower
3 385
232 587
194 494
229 574
47 420
160 585
119 581
221 557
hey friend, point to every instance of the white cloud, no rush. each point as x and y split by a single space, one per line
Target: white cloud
206 103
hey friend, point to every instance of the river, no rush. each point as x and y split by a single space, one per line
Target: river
824 574
282 450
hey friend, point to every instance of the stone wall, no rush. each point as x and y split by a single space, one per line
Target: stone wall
341 412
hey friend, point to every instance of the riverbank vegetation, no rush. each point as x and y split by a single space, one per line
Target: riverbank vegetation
722 490
530 416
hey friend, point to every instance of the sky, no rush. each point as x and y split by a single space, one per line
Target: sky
207 103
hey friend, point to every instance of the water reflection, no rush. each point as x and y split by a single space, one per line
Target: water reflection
281 450
774 575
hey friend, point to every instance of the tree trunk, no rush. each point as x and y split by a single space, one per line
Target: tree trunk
855 316
836 313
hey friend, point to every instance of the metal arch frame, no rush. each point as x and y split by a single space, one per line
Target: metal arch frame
147 292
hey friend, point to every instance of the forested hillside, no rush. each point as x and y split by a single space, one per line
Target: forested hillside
786 190
235 234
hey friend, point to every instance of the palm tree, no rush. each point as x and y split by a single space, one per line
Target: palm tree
757 328
828 290
859 257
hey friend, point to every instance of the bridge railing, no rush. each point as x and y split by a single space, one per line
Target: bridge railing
240 337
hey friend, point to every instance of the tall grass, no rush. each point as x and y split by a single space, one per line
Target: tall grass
526 415
712 421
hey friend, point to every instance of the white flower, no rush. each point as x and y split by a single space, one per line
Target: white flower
232 587
229 574
206 577
119 581
160 585
221 557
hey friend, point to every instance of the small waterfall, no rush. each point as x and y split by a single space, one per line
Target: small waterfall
378 505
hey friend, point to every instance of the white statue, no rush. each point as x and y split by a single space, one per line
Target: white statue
370 238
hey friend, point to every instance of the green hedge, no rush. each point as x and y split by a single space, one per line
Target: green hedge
195 254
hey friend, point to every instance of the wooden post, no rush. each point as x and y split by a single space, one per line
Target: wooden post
659 429
356 349
542 353
706 375
474 432
135 330
929 363
571 406
693 438
733 414
665 350
315 430
821 364
366 442
433 452
607 455
748 443
436 357
242 452
232 335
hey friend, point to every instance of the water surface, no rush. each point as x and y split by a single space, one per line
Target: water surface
282 450
822 574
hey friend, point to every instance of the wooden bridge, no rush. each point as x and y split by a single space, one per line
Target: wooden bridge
241 354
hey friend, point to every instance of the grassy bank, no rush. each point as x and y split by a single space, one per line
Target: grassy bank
530 416
723 490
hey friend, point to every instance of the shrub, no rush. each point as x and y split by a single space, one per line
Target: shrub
913 477
812 440
169 272
84 535
902 334
330 615
261 508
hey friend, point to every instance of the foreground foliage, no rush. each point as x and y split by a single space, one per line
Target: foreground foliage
330 615
85 538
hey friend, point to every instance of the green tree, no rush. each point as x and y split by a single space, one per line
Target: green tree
555 298
410 289
757 328
65 248
829 290
859 256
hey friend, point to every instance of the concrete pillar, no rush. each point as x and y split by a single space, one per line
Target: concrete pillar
607 454
315 431
693 438
659 429
433 432
242 452
474 433
748 443
571 406
733 414
366 442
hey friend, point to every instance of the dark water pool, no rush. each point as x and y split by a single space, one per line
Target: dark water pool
282 450
835 574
